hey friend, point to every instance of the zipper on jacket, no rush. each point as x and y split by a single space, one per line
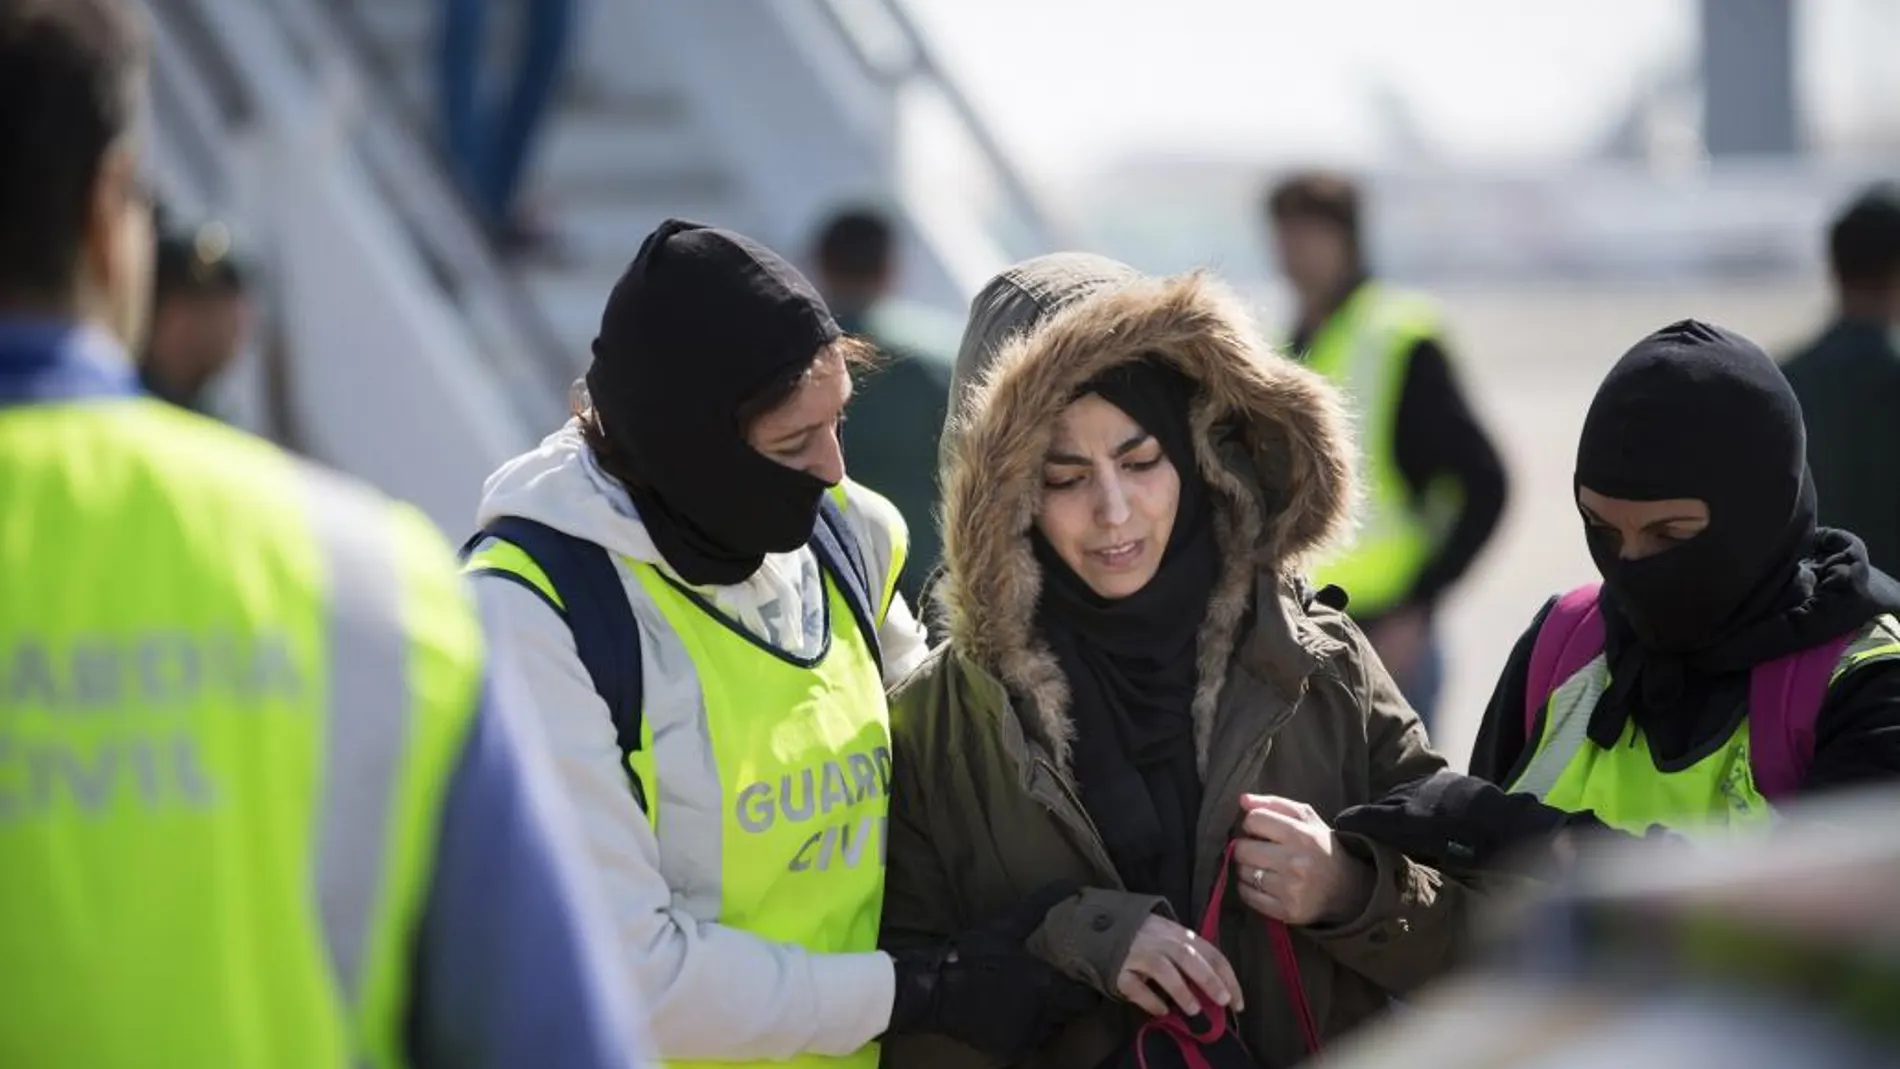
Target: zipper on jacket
1256 756
1077 820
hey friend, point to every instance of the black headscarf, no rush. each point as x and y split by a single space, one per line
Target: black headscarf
1131 663
1695 411
702 322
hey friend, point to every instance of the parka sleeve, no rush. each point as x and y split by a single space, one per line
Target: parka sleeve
1416 918
920 906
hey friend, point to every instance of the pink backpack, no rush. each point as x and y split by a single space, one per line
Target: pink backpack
1784 695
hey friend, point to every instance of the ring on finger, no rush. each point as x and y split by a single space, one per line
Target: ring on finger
1258 879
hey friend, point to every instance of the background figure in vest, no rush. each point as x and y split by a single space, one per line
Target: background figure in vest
1848 379
898 412
257 803
734 789
1434 485
1736 652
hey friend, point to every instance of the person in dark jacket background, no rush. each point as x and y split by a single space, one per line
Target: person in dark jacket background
1693 489
201 313
1435 488
1848 379
899 409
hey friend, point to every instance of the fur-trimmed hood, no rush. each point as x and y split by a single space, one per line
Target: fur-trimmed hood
1271 437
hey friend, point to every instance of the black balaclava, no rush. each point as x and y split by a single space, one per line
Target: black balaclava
1130 662
702 321
1696 411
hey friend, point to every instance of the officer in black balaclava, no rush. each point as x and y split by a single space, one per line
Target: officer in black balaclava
1700 414
703 325
1692 483
1697 414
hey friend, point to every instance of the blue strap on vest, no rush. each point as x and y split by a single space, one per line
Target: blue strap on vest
838 552
606 635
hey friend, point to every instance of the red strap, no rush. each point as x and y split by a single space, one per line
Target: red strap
1177 1027
1210 918
1294 983
1570 636
1283 953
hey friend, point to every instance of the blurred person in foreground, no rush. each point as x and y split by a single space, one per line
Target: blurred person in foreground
1435 488
1760 952
201 314
707 614
1848 379
899 409
1736 655
261 800
1141 697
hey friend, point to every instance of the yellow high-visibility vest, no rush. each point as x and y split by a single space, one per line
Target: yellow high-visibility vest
232 689
1365 349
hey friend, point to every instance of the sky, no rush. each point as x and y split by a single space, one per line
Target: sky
1068 84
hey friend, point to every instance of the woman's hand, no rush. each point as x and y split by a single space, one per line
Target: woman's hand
1291 867
1179 962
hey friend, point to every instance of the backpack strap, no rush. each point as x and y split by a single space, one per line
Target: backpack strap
1785 695
837 549
1784 701
593 604
1570 637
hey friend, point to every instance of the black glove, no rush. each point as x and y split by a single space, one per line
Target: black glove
985 989
1454 821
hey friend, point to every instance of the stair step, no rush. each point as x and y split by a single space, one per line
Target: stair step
657 186
412 82
584 95
572 301
599 239
415 78
403 26
607 232
405 35
617 67
622 149
592 151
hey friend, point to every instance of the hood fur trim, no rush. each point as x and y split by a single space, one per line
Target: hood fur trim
1271 437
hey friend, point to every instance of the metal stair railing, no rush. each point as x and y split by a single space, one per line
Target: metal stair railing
512 333
886 40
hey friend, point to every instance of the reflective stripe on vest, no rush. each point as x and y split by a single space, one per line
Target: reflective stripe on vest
232 690
1364 349
366 728
1624 787
794 802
